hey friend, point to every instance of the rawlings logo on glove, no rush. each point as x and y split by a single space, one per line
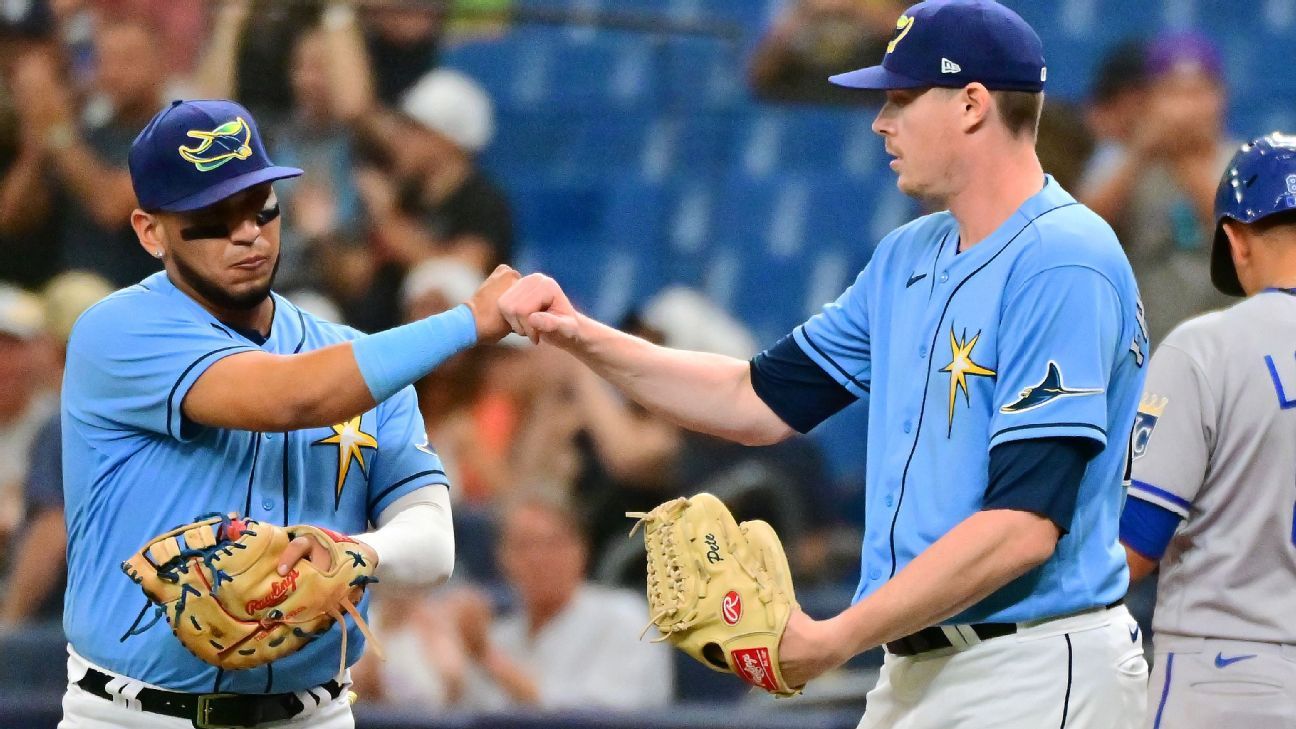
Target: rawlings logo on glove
718 590
216 582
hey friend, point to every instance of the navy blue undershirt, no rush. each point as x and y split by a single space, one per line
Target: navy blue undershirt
1037 475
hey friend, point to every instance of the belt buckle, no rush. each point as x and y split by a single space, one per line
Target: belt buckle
202 719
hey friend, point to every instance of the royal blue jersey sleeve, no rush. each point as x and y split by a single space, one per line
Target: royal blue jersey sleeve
837 338
1058 342
132 359
405 461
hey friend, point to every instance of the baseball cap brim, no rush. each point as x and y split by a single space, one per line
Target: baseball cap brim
227 188
877 77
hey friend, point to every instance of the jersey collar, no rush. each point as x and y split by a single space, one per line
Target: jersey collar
1049 197
162 284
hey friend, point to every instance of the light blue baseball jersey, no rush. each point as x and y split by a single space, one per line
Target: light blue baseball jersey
1034 332
135 467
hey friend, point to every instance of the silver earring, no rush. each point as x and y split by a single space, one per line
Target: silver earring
157 254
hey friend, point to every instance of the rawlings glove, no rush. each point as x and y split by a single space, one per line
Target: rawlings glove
718 590
216 582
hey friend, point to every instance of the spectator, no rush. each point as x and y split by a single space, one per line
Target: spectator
424 197
404 44
308 136
1156 183
24 405
570 644
91 187
815 39
1117 100
34 590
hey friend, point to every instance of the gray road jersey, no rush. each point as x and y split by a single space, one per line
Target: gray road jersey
1215 442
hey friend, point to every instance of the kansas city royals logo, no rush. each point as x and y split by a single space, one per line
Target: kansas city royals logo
1046 391
902 29
351 441
222 144
960 367
1149 411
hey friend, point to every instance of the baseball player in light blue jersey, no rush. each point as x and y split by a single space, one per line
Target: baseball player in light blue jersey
199 390
1213 497
1000 347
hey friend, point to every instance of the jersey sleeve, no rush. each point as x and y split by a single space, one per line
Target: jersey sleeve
837 338
1058 342
406 461
131 365
1173 432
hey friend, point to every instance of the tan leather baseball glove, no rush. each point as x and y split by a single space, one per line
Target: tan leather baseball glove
718 590
216 582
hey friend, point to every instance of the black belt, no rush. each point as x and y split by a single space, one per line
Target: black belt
209 711
933 638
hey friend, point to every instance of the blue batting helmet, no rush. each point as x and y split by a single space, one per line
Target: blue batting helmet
1260 181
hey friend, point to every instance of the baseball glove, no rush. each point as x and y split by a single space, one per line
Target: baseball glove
718 590
216 582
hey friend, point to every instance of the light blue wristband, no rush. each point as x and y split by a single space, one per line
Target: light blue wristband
395 358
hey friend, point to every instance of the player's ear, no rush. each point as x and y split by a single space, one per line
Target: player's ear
1240 243
976 103
148 230
1242 248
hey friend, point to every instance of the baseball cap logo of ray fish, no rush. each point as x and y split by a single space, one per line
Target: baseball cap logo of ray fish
222 144
193 154
952 43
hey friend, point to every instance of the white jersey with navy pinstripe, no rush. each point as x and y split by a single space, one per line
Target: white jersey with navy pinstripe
1215 443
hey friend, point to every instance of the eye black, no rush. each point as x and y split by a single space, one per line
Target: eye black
267 216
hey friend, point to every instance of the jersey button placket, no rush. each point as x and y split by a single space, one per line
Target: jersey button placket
268 505
944 277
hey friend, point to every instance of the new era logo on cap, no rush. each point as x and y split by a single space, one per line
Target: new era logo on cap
948 66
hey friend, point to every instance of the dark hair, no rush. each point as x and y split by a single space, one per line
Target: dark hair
1020 110
1123 68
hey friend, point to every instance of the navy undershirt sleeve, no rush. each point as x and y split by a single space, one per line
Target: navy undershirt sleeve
1039 475
1146 527
795 388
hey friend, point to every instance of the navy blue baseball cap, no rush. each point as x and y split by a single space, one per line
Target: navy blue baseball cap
953 43
196 153
1260 181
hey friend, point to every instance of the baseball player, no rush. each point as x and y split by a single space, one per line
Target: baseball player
1000 348
1213 495
199 390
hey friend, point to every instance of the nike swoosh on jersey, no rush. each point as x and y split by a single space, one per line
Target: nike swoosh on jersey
1222 662
915 279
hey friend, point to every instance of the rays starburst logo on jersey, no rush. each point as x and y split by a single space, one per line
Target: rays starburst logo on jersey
351 441
222 144
962 366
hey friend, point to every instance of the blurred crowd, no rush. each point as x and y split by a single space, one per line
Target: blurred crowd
395 220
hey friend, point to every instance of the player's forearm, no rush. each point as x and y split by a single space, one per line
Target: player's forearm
274 393
708 393
977 557
1139 566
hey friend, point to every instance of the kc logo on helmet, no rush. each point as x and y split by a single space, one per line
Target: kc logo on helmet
731 608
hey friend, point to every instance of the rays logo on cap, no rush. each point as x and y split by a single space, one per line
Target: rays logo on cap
222 144
902 29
